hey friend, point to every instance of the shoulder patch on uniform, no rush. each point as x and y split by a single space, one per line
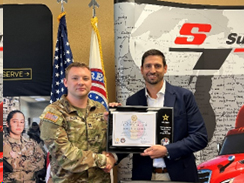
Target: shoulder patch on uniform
52 117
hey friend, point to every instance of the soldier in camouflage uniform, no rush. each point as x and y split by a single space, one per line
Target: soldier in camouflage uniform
23 157
74 130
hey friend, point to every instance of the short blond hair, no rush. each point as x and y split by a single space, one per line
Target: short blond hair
75 64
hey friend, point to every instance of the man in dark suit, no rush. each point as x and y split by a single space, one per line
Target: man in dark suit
189 133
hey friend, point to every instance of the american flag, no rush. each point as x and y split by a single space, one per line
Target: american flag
98 89
63 57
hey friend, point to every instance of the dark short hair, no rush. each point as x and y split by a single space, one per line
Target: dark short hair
11 114
75 64
34 124
153 52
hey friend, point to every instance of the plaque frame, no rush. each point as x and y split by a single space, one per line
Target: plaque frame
160 112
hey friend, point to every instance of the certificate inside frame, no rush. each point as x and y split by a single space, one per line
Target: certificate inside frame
125 136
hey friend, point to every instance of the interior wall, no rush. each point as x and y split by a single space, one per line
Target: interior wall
26 111
79 29
36 109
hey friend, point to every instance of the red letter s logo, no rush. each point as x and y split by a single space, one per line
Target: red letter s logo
197 38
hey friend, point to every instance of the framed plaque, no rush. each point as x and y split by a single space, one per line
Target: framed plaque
131 129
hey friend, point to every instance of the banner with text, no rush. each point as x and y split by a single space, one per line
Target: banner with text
204 50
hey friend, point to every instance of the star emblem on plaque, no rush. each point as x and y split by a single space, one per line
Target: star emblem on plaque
165 117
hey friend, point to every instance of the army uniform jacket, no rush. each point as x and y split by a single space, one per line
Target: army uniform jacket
24 156
75 140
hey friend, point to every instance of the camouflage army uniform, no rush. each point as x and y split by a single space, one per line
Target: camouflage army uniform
25 156
75 139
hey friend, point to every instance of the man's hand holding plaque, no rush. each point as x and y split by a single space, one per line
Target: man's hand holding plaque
155 151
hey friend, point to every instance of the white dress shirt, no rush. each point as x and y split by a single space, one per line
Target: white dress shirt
158 102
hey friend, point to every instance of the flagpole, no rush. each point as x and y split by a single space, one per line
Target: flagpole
93 4
62 4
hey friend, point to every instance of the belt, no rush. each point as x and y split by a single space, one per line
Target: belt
160 170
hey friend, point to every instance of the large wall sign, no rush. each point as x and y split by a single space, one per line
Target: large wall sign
27 51
204 49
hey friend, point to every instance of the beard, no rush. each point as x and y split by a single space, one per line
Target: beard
153 81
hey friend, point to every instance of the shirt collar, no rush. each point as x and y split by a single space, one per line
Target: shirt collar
161 91
70 108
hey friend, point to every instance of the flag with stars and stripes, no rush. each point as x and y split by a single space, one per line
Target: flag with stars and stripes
98 90
63 57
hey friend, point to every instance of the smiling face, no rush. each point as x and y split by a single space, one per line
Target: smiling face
153 70
16 125
78 82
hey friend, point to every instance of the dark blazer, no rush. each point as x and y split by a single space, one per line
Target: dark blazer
190 135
